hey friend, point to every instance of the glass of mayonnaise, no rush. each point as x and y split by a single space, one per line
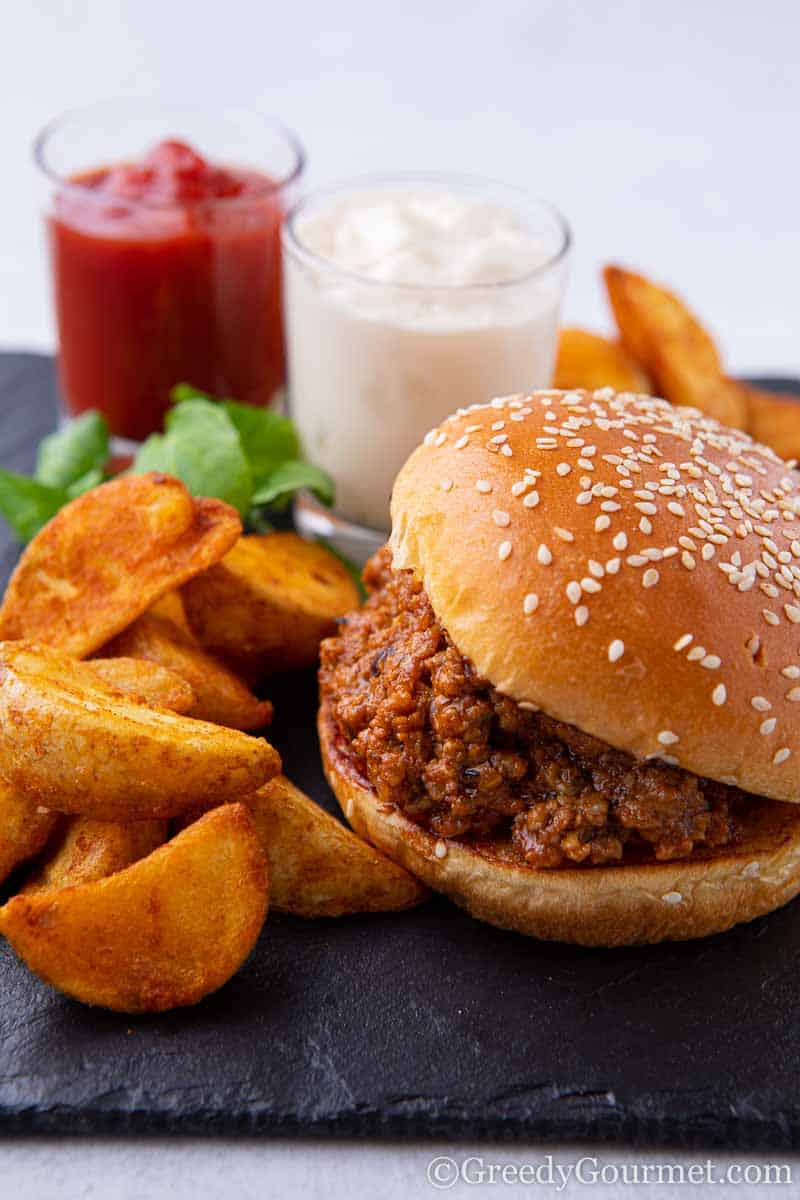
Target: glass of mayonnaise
404 299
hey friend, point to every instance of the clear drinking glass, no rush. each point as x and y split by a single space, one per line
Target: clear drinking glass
373 364
166 269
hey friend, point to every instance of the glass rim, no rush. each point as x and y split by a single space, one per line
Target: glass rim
64 182
293 243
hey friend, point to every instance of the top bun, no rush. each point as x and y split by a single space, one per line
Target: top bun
630 568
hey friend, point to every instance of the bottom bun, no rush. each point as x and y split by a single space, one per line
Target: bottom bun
592 906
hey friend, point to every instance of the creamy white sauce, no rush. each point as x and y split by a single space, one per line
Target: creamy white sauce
411 304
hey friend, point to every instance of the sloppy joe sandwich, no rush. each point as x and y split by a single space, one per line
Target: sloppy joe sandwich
572 700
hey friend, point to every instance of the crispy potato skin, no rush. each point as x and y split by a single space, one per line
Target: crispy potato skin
660 332
24 829
106 556
160 934
774 420
88 850
270 602
220 696
146 681
317 867
72 743
587 360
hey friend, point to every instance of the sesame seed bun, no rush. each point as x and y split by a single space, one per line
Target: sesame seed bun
631 568
595 906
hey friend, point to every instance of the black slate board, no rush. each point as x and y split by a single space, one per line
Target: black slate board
425 1023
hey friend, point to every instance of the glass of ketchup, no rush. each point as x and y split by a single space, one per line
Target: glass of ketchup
164 233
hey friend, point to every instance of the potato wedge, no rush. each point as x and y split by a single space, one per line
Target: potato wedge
160 934
105 557
88 850
72 743
270 602
587 360
659 331
317 867
147 681
24 829
774 419
219 695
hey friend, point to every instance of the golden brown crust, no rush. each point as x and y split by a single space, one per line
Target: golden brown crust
574 598
596 906
107 556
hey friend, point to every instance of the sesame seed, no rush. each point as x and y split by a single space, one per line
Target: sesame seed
794 695
532 499
768 726
711 662
461 443
506 450
667 738
440 849
620 541
610 506
676 509
761 703
530 603
564 534
613 565
483 485
650 577
780 756
595 568
644 506
563 468
719 695
770 617
544 555
583 498
440 439
696 653
616 650
499 439
672 898
581 614
688 561
792 612
791 672
573 591
591 585
503 551
447 485
501 518
684 641
602 522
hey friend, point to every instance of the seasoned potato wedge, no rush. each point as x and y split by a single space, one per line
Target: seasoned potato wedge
587 360
676 351
147 681
72 743
270 602
219 695
105 557
774 420
160 934
24 829
88 850
317 867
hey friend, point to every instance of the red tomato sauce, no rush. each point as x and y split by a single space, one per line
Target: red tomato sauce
167 270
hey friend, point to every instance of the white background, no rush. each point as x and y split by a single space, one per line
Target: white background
666 131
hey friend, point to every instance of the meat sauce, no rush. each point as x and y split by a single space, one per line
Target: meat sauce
460 759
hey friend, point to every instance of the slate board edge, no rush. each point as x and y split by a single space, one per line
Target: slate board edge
780 1131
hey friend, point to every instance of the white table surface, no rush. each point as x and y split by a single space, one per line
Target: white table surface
665 130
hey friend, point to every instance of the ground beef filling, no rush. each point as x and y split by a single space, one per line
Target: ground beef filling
462 760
